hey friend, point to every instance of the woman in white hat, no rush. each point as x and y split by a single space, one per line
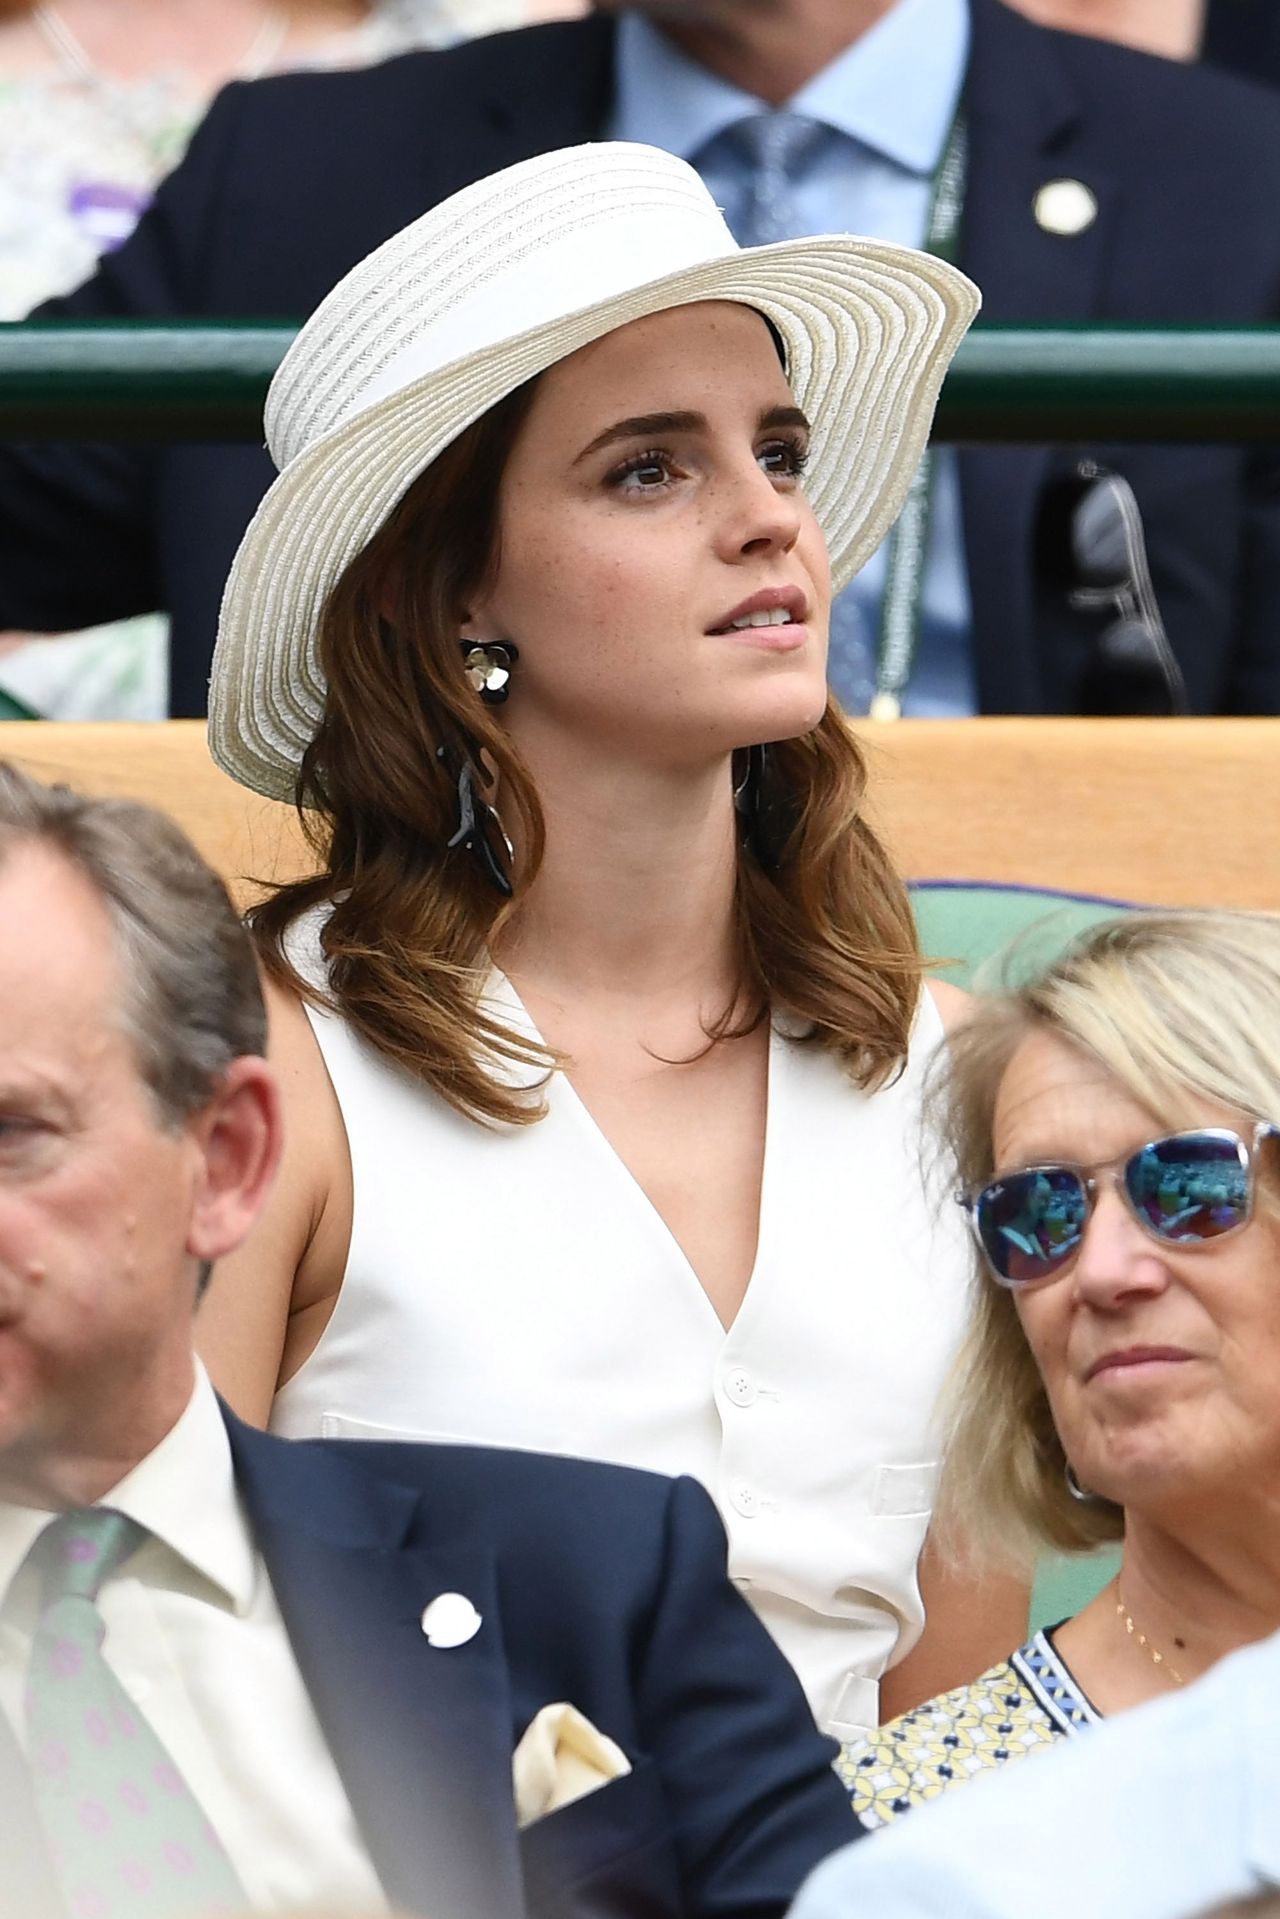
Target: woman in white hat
603 1021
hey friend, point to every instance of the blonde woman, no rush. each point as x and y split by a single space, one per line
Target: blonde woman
1116 1130
604 1015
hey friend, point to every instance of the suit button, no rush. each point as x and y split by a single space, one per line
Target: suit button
744 1498
739 1386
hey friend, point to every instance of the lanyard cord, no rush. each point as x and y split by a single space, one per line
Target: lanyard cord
909 540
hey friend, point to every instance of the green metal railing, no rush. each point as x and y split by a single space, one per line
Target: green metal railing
194 381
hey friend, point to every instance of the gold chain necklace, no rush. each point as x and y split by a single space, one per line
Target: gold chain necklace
1156 1657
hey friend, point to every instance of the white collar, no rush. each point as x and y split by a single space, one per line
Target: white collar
664 98
183 1492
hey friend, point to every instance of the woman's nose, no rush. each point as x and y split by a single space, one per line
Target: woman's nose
759 515
1117 1259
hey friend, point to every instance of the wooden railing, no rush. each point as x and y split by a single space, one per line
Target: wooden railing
1180 812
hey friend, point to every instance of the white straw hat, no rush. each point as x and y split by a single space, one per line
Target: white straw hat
495 285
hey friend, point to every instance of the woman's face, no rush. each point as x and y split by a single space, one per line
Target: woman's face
652 513
1161 1362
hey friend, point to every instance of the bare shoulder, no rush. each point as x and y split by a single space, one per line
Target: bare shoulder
292 1262
955 1006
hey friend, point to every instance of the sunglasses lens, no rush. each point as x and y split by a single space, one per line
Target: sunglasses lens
1030 1224
1194 1186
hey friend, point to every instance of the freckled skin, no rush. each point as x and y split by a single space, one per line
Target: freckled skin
1151 1437
610 579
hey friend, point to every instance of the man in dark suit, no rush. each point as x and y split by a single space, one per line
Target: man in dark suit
476 1685
1162 182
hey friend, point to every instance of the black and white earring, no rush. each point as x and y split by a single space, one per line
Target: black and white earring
488 664
765 810
477 822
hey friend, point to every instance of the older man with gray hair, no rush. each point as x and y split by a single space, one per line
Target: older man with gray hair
238 1673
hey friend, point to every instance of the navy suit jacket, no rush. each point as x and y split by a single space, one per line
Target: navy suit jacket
596 1585
291 180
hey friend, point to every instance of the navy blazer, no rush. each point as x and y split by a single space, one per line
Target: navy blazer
596 1585
291 180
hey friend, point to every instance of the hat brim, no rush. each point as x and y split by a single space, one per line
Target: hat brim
869 330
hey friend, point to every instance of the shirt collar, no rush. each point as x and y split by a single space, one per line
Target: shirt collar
665 99
183 1492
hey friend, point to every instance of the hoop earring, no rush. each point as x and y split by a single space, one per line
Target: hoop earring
475 821
1074 1487
487 664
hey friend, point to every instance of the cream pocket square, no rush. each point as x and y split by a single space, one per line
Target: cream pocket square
561 1758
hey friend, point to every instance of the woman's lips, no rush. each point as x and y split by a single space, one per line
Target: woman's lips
1131 1359
770 639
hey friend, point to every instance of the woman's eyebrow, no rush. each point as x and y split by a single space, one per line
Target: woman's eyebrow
784 416
645 426
650 426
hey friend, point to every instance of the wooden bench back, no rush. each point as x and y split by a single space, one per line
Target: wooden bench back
1180 812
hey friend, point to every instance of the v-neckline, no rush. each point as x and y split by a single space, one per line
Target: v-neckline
655 1220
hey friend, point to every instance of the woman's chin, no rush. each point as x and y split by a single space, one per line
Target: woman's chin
788 715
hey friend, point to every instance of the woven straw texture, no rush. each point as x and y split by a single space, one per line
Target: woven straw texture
491 288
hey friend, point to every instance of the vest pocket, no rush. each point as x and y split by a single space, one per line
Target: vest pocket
901 1491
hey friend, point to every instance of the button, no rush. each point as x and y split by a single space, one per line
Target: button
450 1620
739 1386
1067 207
744 1498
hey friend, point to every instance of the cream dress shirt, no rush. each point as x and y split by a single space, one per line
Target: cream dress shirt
195 1637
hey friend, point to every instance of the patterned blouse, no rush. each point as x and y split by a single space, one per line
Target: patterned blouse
1026 1702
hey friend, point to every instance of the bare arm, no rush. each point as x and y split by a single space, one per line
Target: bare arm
971 1622
270 1301
953 1003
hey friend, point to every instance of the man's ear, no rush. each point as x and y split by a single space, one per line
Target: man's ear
239 1136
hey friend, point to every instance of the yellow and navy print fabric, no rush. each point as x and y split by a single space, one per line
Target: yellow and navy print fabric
1027 1702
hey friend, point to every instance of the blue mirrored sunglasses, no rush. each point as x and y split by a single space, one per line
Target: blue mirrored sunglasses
1185 1190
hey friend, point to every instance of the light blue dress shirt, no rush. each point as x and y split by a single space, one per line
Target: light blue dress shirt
887 104
1161 1813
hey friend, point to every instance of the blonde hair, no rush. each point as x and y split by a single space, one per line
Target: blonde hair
1181 1010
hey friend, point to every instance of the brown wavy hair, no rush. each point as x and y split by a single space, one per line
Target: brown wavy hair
828 935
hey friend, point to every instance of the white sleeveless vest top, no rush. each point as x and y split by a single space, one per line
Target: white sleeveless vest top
517 1288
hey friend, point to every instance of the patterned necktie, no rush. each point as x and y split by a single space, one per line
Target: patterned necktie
126 1837
777 146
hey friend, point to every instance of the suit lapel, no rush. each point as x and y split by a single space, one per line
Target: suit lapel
421 1735
1028 126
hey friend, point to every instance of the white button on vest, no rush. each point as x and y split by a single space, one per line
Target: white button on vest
450 1620
739 1386
745 1498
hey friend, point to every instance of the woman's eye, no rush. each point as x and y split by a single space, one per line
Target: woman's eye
643 473
786 459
